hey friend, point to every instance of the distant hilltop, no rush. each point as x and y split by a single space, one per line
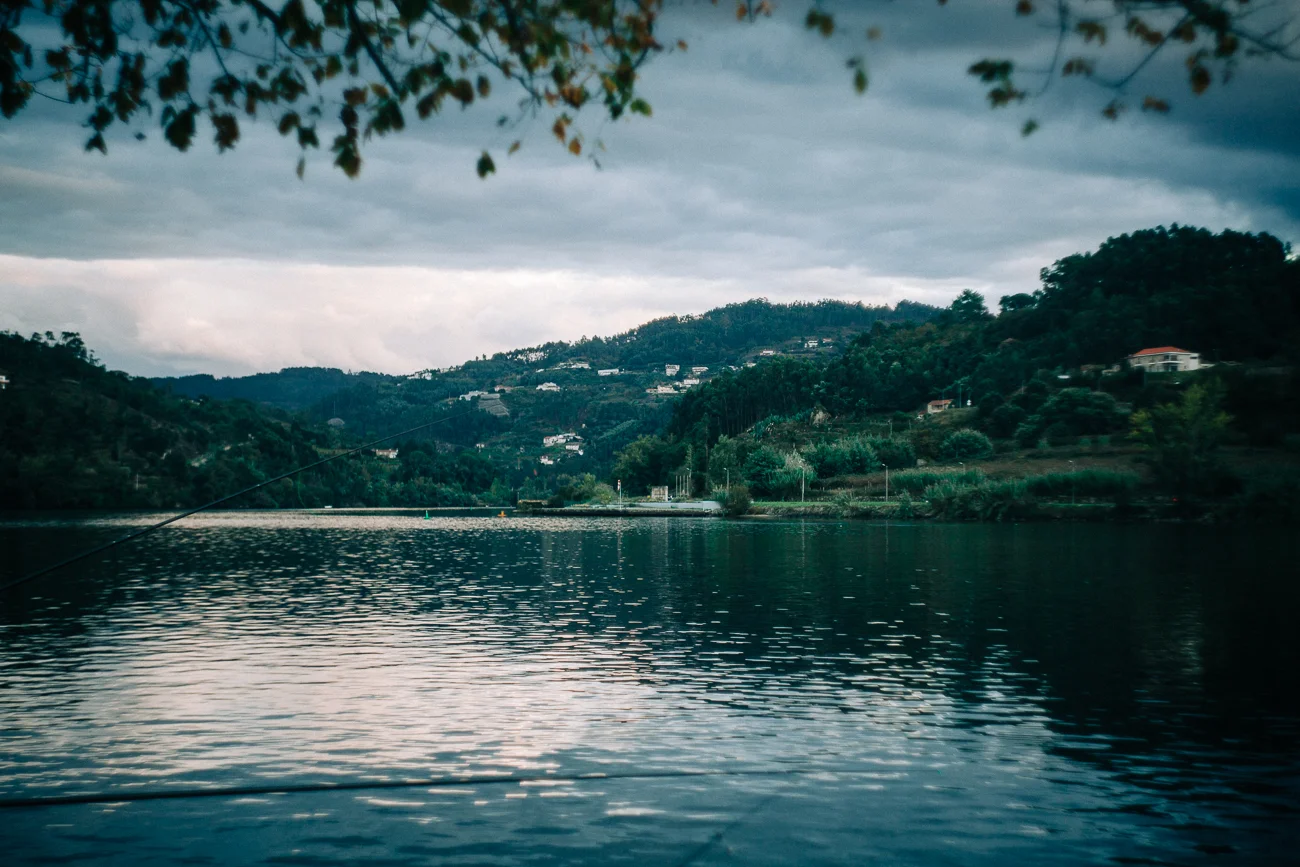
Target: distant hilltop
724 336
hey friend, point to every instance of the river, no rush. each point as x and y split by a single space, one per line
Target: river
650 691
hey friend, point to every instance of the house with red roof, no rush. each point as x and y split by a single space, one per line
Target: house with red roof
938 406
1165 359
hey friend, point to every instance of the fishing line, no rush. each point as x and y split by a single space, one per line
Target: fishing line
378 785
145 530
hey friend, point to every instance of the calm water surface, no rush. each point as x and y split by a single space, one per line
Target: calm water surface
927 694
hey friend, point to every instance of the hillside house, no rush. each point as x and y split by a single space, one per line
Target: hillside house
767 352
690 382
811 344
661 389
1165 359
546 460
573 447
609 371
548 386
696 371
390 454
935 406
659 492
671 369
470 395
4 380
560 439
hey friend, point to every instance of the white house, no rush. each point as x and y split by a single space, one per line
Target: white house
574 447
811 344
671 369
661 389
548 386
690 381
546 460
560 439
470 395
768 352
609 371
696 371
4 381
938 406
391 454
1165 359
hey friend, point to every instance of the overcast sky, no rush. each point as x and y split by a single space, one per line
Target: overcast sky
760 174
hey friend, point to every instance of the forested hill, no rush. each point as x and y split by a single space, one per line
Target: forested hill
1232 297
75 435
726 335
293 388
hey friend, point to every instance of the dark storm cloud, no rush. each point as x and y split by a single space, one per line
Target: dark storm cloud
759 174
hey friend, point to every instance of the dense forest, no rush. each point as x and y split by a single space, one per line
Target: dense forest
821 394
74 435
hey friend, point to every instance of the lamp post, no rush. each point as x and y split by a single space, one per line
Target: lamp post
886 466
1072 483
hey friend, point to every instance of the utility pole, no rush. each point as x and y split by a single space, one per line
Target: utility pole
886 466
803 479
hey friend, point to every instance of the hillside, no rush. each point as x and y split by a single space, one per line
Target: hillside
74 435
293 388
726 335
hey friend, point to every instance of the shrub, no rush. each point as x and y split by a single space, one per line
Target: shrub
983 501
1004 420
763 470
736 502
893 452
916 481
1082 411
906 508
846 456
966 445
1083 483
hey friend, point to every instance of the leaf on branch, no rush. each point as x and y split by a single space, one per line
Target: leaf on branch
575 147
822 22
288 123
1091 30
990 71
514 147
1152 103
180 131
1199 77
1025 7
485 165
640 106
860 80
226 131
1112 111
1078 66
1030 127
874 33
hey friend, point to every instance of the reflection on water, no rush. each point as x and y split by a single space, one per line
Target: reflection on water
948 694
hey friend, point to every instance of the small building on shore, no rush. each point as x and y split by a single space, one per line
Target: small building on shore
935 406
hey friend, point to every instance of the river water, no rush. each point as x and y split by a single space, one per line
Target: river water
752 693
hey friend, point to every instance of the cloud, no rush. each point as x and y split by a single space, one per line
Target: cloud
760 174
